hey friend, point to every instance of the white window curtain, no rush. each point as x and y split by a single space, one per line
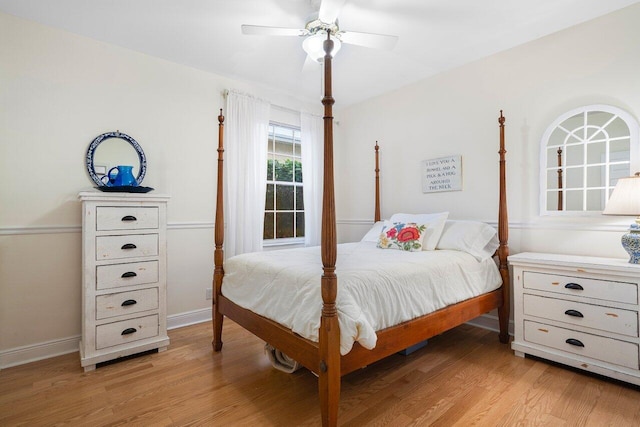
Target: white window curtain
247 131
312 138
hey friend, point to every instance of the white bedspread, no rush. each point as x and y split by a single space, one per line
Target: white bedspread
377 288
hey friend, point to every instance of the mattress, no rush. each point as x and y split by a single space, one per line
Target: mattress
377 288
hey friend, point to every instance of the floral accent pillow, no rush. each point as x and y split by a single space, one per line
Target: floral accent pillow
434 222
403 236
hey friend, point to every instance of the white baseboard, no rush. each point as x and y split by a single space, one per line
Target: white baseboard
189 318
45 350
490 322
31 353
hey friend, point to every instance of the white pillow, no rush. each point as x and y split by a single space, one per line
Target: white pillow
434 222
474 237
374 234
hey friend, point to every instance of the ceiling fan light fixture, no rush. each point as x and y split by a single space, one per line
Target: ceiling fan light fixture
313 46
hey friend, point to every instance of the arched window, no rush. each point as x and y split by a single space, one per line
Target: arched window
583 154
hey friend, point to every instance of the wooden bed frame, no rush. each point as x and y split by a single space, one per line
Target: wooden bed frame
323 357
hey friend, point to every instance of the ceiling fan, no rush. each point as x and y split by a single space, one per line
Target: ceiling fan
316 30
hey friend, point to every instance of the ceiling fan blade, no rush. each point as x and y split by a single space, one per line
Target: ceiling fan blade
272 31
376 41
329 10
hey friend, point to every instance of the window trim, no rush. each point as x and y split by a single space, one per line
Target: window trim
634 156
284 241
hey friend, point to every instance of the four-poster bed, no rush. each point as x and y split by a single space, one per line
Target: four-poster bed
323 357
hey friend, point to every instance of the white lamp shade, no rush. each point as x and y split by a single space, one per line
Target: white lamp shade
313 45
625 199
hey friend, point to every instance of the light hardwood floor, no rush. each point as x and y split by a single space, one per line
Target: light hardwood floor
463 377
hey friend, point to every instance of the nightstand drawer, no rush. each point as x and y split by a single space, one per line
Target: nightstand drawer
112 305
126 218
126 331
131 274
607 319
127 246
593 346
579 286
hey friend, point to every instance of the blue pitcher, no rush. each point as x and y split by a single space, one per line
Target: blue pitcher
122 176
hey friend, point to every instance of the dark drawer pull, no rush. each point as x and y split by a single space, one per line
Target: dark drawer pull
128 246
575 286
129 331
575 342
128 274
574 313
128 218
129 302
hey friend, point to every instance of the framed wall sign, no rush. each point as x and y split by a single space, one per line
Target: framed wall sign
442 174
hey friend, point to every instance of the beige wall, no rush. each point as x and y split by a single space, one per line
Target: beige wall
58 91
456 112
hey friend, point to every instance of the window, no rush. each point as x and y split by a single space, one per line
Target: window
584 153
284 207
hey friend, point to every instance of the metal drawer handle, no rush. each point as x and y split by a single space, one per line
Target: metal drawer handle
128 218
128 274
574 313
575 342
129 331
575 286
128 246
129 302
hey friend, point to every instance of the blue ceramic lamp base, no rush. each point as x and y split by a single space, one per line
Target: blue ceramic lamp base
631 243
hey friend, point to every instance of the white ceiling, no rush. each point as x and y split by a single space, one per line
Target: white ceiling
434 35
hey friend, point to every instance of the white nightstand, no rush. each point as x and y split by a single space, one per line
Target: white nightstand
124 275
579 311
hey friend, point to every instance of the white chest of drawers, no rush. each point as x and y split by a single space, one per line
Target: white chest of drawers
579 311
124 275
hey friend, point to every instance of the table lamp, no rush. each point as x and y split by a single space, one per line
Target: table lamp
625 200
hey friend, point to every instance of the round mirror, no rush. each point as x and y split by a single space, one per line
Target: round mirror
114 149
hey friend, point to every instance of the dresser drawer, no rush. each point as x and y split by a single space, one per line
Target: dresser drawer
578 286
607 319
130 274
126 246
126 331
120 303
593 346
126 218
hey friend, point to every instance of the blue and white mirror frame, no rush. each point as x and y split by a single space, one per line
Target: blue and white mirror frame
108 135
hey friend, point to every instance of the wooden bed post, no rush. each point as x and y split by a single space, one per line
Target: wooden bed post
503 237
218 254
376 216
329 334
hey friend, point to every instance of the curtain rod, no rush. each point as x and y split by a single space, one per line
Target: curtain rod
285 109
225 93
